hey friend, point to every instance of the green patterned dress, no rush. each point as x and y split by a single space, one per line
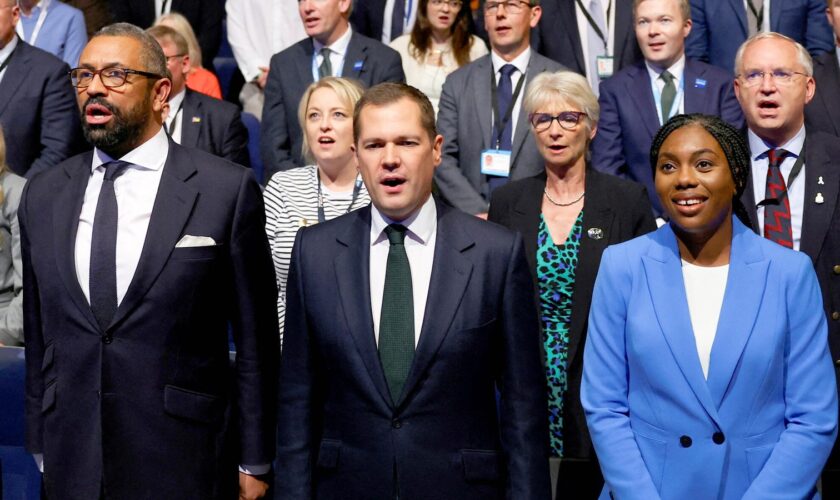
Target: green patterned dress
556 266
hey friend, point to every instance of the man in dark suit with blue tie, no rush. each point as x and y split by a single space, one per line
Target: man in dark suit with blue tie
136 258
37 109
388 378
332 49
639 99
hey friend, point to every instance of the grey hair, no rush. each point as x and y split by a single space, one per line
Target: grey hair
151 56
802 55
549 87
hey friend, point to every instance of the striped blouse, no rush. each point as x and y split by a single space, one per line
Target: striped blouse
291 202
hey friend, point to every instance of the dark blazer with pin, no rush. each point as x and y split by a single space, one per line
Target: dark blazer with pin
558 37
368 61
144 405
621 211
339 433
629 118
38 111
820 238
214 126
465 120
823 112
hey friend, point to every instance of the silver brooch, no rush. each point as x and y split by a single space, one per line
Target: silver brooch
596 233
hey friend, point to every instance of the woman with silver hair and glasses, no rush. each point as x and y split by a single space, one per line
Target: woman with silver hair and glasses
568 215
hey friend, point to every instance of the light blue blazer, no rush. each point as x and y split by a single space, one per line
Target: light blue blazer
761 426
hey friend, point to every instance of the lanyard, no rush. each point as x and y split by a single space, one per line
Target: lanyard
357 188
594 25
794 173
172 124
407 13
759 14
163 7
499 126
38 24
9 58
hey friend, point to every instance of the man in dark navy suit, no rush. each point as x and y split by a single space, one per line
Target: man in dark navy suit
37 109
634 101
332 49
388 378
823 112
136 258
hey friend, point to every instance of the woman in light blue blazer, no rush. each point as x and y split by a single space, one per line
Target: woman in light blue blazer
706 369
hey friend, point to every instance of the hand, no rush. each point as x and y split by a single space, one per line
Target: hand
263 77
482 215
251 487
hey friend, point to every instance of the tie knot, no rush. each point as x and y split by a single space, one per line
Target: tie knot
507 70
775 157
115 169
666 77
325 52
396 233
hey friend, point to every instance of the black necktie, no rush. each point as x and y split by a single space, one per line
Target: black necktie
103 248
396 322
505 97
397 18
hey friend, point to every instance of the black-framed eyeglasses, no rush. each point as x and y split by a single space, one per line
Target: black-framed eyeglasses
779 76
453 4
511 7
568 120
111 77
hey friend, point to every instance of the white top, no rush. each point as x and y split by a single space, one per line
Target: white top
796 192
420 249
677 70
704 289
176 114
338 50
765 21
136 190
408 21
521 63
429 78
258 29
583 33
291 202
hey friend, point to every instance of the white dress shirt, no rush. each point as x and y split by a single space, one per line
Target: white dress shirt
704 290
796 192
338 50
159 5
521 64
5 53
677 70
408 20
258 29
765 21
583 33
420 249
176 116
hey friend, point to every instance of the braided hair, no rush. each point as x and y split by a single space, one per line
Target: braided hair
731 141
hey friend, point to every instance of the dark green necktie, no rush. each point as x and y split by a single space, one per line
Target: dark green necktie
669 93
396 323
325 69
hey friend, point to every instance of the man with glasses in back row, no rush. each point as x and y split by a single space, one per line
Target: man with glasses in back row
136 258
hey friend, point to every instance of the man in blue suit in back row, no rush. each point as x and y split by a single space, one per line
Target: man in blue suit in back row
388 379
639 99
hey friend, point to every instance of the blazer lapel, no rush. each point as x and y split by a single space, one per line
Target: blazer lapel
667 290
190 128
523 128
66 211
696 99
483 99
16 73
639 85
623 30
738 313
303 63
526 216
352 273
450 275
567 8
355 60
830 71
173 206
741 13
817 216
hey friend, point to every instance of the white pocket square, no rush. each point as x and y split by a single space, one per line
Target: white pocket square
189 241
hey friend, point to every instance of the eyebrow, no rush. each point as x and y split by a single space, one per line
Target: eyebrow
107 65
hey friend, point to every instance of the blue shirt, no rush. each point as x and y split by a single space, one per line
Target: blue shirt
62 34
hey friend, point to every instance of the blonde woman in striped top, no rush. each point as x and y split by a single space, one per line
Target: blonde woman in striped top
326 188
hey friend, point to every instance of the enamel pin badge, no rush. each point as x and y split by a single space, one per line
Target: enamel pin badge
596 233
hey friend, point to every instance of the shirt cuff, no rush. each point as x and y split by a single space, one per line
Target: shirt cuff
39 461
255 470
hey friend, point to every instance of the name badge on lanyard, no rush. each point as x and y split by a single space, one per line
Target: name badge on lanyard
605 66
38 24
495 162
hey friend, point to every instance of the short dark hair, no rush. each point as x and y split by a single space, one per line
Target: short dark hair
389 93
151 56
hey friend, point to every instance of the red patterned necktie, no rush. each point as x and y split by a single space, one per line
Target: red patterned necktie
777 226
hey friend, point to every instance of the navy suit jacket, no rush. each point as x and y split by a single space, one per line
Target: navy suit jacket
720 27
368 18
823 112
214 126
629 118
339 433
205 17
366 60
558 37
38 111
145 404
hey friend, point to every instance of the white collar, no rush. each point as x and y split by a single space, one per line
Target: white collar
759 146
520 61
675 69
421 225
339 46
5 51
175 103
151 155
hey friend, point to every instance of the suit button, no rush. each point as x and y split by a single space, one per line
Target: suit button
106 339
835 315
685 441
837 362
396 424
836 269
718 438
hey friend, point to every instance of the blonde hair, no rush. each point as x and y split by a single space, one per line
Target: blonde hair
348 91
180 24
682 5
549 87
802 55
